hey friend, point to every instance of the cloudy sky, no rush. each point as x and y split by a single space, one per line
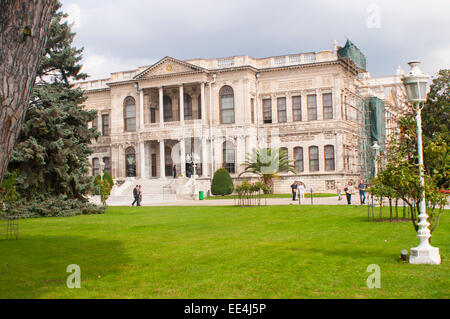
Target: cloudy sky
122 35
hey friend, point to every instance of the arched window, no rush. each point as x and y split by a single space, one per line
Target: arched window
313 159
229 157
329 158
167 105
187 107
107 164
298 159
226 105
95 166
130 162
130 114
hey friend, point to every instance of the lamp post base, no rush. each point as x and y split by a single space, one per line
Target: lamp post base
425 254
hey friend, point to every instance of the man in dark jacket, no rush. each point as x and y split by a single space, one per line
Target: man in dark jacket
136 195
294 187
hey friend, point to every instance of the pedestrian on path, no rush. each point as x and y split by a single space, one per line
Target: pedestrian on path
362 194
294 187
348 192
135 195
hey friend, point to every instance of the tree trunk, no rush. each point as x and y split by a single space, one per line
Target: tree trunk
24 29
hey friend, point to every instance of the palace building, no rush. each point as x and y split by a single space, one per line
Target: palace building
322 107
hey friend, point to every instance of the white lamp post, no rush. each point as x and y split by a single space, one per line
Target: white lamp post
102 167
416 89
376 149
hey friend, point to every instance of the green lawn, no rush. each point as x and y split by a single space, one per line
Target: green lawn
274 196
220 252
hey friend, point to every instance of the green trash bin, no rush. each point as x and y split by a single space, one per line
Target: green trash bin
200 195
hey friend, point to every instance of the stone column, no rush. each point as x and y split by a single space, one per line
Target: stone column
142 159
181 104
319 100
205 157
141 109
182 157
202 101
289 111
274 109
162 160
161 106
304 102
100 123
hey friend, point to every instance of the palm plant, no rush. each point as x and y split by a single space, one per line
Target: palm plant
267 163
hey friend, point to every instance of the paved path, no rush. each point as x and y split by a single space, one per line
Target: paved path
230 202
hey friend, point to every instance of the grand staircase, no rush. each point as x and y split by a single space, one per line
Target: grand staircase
153 191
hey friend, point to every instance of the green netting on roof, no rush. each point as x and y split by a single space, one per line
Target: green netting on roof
376 120
352 52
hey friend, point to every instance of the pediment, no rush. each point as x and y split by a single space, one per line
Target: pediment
168 66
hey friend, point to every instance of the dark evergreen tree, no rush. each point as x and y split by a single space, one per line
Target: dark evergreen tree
53 148
222 184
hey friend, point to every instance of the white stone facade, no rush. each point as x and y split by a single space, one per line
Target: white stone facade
311 100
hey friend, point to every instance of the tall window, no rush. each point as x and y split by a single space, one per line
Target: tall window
130 114
187 107
199 107
105 125
327 106
252 109
312 107
281 101
298 159
130 162
329 158
297 108
313 159
167 106
226 105
95 167
107 165
228 157
267 110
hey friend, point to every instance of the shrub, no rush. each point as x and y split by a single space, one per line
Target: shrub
52 206
222 184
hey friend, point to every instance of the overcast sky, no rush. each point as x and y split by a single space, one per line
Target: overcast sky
122 35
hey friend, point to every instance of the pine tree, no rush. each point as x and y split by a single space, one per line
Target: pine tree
53 148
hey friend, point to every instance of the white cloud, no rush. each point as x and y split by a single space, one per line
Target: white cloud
75 15
100 67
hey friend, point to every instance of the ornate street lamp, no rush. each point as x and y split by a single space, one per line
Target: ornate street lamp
376 149
416 89
193 159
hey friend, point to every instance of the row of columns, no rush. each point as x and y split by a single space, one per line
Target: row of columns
161 104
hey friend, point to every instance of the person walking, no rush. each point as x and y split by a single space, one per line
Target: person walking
140 196
348 192
135 195
301 191
294 187
362 193
174 170
339 191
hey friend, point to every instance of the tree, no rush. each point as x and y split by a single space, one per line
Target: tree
436 112
399 177
436 130
267 163
222 184
24 28
53 147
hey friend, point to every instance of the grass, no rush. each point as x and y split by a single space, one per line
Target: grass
220 252
273 196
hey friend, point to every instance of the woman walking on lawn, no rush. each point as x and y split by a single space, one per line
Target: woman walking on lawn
348 192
